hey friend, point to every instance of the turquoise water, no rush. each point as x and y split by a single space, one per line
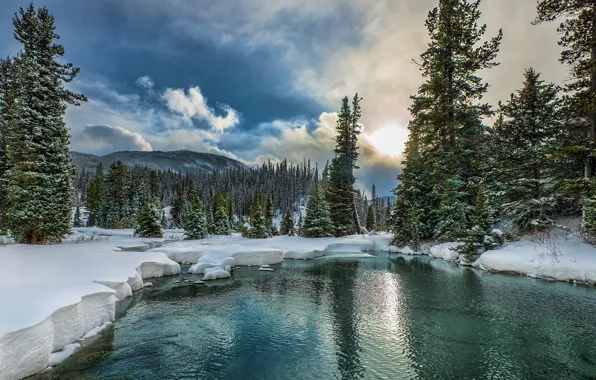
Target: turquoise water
371 318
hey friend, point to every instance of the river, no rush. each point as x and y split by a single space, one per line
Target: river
384 317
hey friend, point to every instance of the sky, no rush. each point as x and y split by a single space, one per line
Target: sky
260 80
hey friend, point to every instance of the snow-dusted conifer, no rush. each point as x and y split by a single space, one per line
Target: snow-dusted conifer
38 179
287 223
317 222
148 222
195 220
77 222
371 221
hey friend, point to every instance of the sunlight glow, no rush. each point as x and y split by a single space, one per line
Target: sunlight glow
389 140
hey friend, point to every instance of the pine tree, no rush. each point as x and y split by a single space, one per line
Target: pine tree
96 199
164 220
300 223
148 225
317 222
578 40
268 213
443 154
77 222
38 179
177 209
221 222
525 142
230 210
6 75
287 223
258 224
195 220
371 223
340 187
119 212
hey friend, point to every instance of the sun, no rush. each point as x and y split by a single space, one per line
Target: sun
389 140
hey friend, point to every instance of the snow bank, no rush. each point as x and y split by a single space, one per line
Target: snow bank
52 295
570 260
271 251
445 251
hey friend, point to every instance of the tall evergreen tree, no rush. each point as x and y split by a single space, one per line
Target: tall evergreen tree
443 160
340 187
578 40
119 213
177 209
96 199
371 221
6 75
39 171
525 141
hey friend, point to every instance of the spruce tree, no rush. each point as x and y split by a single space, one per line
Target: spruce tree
221 222
259 228
443 157
118 186
340 186
300 222
578 40
195 220
6 76
148 222
96 199
525 141
317 222
287 223
268 213
371 223
164 220
177 209
38 179
77 222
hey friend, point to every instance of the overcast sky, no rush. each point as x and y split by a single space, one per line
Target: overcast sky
262 79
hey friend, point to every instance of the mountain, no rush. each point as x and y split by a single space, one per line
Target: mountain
184 161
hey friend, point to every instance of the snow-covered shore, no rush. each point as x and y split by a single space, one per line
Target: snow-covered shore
271 251
560 259
53 295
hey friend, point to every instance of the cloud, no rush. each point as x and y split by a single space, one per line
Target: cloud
145 82
102 139
339 47
193 105
296 141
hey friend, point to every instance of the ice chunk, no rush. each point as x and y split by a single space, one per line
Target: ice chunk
216 274
60 356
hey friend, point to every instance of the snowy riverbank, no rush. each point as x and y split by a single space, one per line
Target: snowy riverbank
564 260
53 295
271 251
561 259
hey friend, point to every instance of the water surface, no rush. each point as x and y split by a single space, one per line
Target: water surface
372 318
